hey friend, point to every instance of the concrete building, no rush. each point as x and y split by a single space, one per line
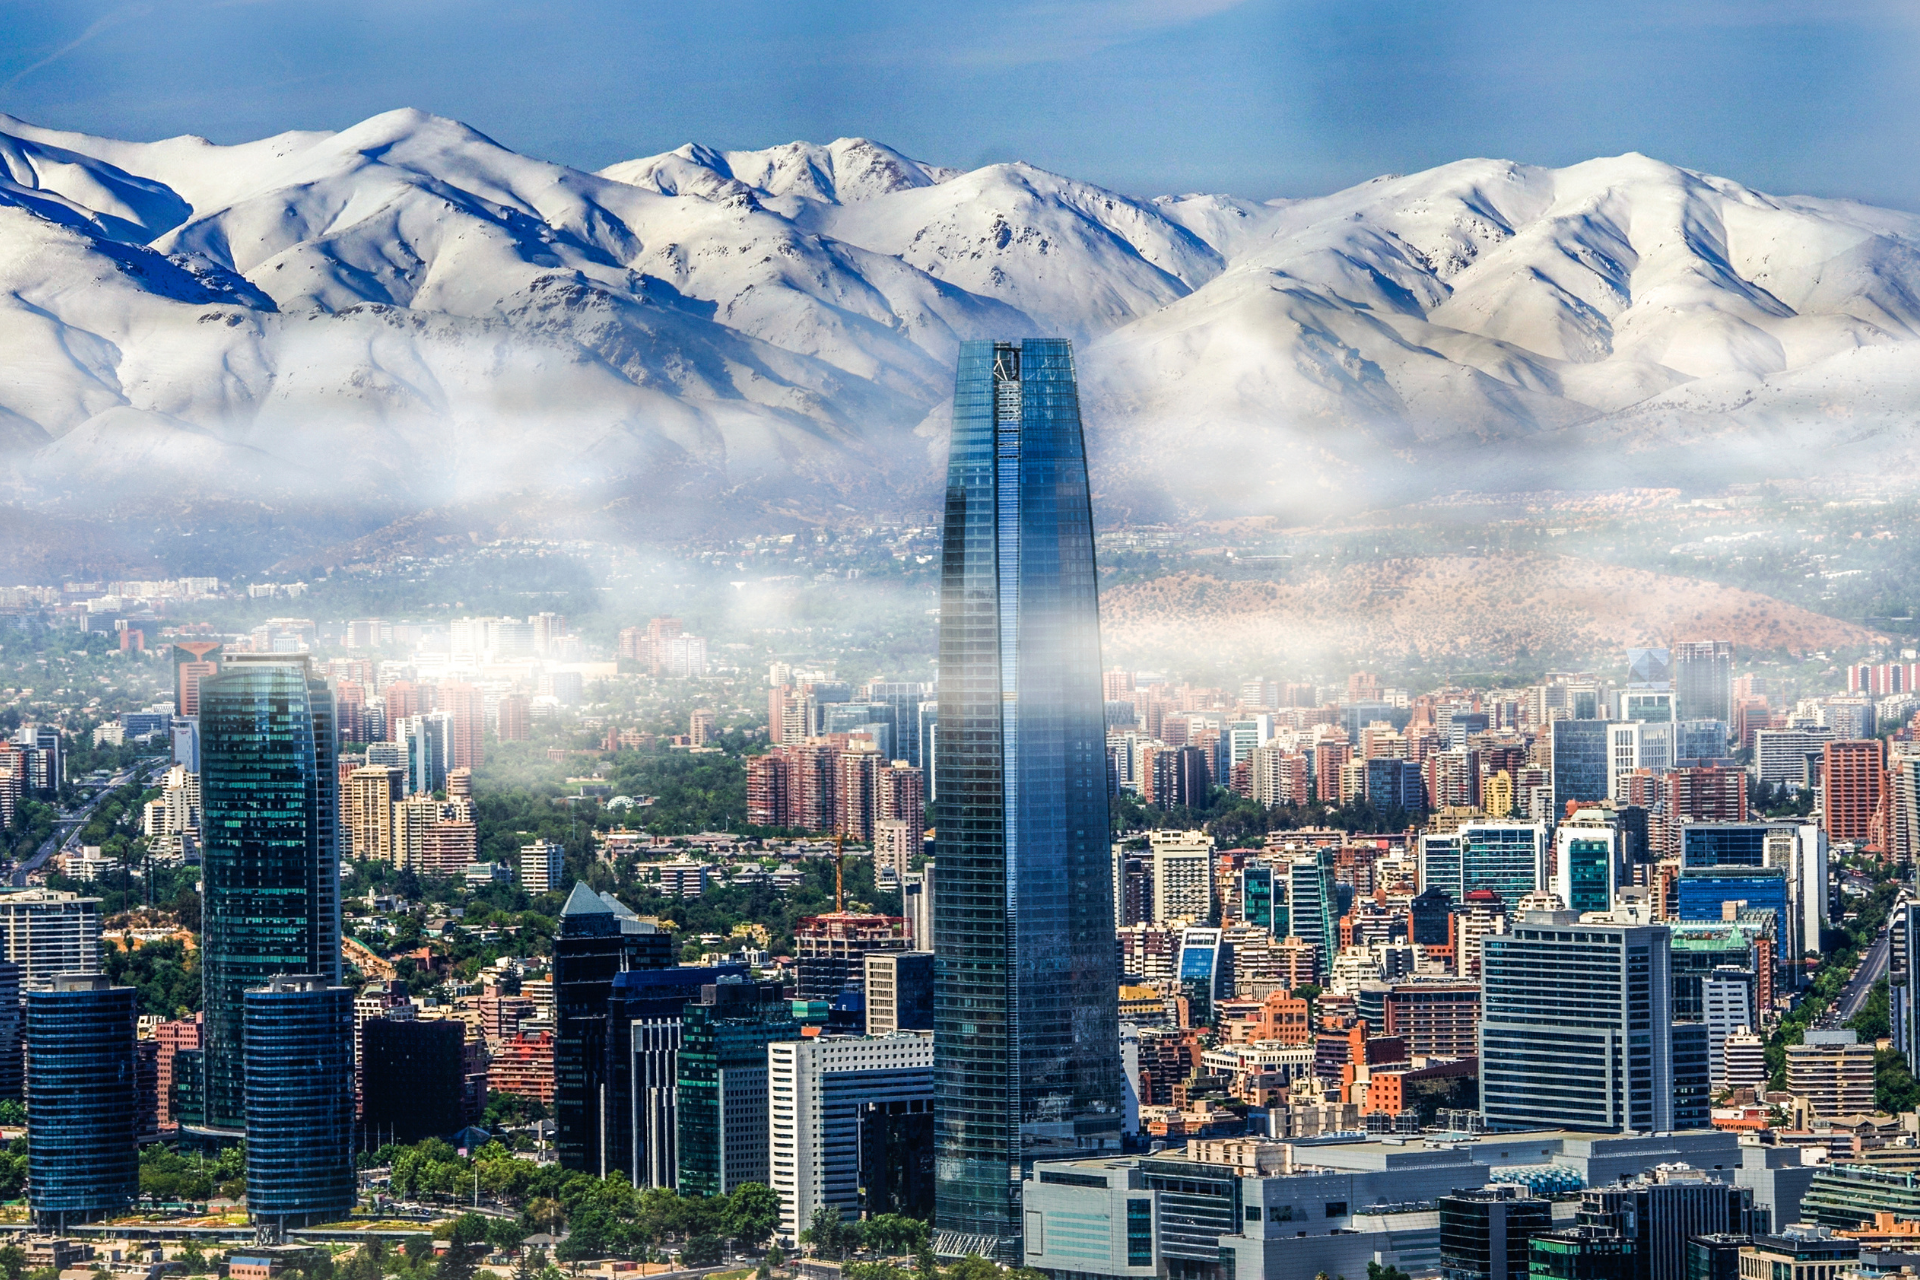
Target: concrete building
899 989
50 931
1182 876
822 1093
1833 1072
542 867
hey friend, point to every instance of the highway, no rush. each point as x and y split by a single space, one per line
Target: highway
1873 967
66 831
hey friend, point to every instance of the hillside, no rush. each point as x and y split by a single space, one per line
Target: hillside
1457 612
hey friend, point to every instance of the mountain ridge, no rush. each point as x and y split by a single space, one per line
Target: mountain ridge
405 313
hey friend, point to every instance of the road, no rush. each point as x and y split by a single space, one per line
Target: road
1873 967
67 829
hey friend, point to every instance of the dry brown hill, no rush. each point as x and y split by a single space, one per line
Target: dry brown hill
1466 611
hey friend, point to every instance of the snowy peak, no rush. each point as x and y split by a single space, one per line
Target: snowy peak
317 313
841 172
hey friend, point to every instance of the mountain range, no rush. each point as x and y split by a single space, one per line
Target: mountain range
406 314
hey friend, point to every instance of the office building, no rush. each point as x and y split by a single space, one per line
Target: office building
413 1077
1799 1254
1026 1001
916 899
1582 767
1703 680
193 661
645 1015
82 1153
723 1115
1727 1008
1692 1050
899 990
425 742
822 1092
1661 1209
1580 1253
1715 1256
269 854
50 931
598 939
1587 862
1833 1072
1484 1233
1576 1026
299 1103
1509 858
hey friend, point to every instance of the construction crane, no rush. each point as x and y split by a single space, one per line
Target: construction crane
840 874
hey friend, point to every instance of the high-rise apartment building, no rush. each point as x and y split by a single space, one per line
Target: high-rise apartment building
1026 1008
366 811
1576 1026
820 1091
1833 1071
1182 876
542 866
270 858
466 708
1853 788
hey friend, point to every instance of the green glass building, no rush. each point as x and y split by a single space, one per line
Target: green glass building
269 854
722 1104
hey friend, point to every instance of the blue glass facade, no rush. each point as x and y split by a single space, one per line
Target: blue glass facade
1026 1010
1704 892
82 1152
270 861
299 1104
1727 844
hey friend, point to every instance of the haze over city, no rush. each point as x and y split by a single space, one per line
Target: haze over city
1075 641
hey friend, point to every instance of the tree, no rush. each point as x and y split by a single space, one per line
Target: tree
894 1233
13 1260
1389 1272
827 1233
753 1211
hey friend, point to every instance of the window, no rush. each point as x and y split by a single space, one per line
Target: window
1139 1233
1336 1208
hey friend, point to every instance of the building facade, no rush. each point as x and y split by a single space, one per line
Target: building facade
820 1091
82 1135
1026 1004
299 1102
270 858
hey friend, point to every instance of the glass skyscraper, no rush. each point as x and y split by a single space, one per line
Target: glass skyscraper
299 1069
1026 1010
82 1154
270 863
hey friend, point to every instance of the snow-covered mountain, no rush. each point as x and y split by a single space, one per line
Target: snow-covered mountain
406 313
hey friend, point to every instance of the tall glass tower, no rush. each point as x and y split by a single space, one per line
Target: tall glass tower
1027 1063
269 861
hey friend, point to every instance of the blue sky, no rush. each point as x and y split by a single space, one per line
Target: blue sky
1256 97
